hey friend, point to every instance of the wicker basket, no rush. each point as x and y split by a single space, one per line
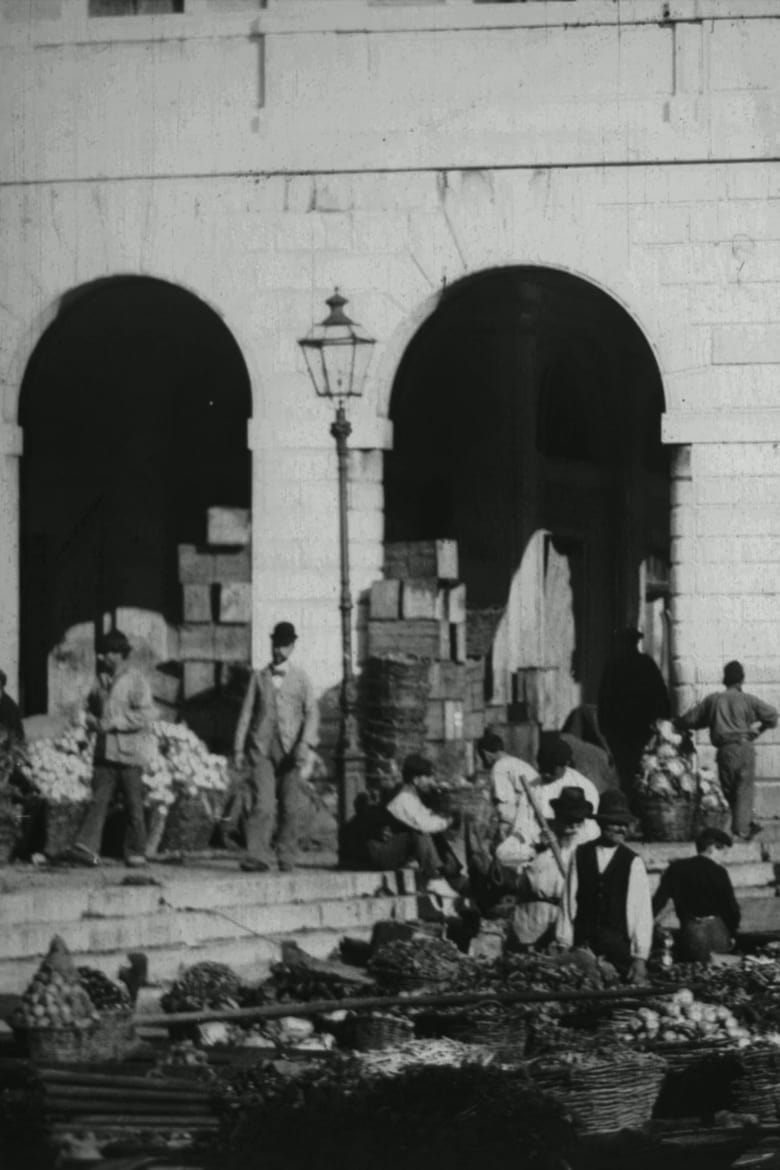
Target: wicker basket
109 1038
699 1077
377 1031
666 820
711 818
9 835
756 1088
63 822
189 825
489 1024
602 1093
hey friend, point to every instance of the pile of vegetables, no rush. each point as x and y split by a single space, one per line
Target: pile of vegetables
711 795
339 1113
420 960
751 990
204 985
668 765
60 769
106 995
682 1019
56 998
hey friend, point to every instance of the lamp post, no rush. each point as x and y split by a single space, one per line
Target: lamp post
337 353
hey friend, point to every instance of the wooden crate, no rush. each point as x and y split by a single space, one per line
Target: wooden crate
197 642
418 639
456 604
233 566
421 597
422 558
449 680
228 526
235 602
445 719
197 565
196 602
385 601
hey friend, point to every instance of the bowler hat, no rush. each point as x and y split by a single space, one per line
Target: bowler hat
571 805
114 642
283 634
613 809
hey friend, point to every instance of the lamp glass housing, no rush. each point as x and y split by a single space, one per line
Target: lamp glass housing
337 353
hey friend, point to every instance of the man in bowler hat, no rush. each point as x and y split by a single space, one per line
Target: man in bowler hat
606 906
276 732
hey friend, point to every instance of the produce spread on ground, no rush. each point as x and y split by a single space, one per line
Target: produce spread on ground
422 1071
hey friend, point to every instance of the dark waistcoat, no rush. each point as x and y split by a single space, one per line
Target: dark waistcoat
601 921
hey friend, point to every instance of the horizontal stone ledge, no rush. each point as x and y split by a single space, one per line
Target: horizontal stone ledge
737 426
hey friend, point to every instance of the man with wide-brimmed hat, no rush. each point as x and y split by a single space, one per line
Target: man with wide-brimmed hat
735 719
121 710
277 730
606 906
540 885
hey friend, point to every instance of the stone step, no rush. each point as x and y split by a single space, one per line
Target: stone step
251 958
171 927
760 911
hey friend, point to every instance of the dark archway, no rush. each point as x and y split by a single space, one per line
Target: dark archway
530 401
134 407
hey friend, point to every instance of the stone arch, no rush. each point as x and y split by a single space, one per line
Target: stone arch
395 345
135 405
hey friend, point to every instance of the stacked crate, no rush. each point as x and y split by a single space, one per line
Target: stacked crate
216 602
418 611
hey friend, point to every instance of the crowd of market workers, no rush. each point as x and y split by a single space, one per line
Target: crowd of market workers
546 851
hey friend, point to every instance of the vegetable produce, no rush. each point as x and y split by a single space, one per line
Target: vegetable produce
204 985
668 765
429 960
682 1019
106 995
56 998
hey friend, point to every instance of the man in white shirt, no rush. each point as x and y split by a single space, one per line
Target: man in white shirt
414 833
555 765
540 886
607 906
516 816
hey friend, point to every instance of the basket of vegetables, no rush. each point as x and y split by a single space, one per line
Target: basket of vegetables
757 1085
58 1020
666 785
416 965
376 1031
604 1090
204 985
488 1023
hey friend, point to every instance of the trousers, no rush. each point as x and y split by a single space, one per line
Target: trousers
737 773
276 795
702 937
432 854
105 780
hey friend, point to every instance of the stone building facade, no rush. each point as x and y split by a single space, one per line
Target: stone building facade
600 172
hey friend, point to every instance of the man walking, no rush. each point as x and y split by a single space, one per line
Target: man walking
121 710
277 729
735 720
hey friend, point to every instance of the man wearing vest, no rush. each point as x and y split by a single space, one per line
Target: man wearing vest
607 906
278 724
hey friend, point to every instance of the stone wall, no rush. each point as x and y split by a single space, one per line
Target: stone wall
271 158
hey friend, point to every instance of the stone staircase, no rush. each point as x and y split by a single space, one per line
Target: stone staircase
206 911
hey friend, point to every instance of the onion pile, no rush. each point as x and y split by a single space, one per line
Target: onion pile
682 1020
55 998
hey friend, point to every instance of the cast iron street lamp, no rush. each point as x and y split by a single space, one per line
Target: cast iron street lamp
337 354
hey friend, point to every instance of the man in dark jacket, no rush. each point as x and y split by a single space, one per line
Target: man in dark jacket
703 897
606 904
632 695
277 728
735 720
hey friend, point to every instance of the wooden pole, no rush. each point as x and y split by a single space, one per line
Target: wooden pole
367 1003
547 832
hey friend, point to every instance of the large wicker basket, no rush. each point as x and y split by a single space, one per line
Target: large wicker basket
757 1085
603 1093
376 1031
490 1024
699 1077
109 1038
666 820
63 822
190 824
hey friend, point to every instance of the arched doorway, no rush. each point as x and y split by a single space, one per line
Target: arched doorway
526 415
134 407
